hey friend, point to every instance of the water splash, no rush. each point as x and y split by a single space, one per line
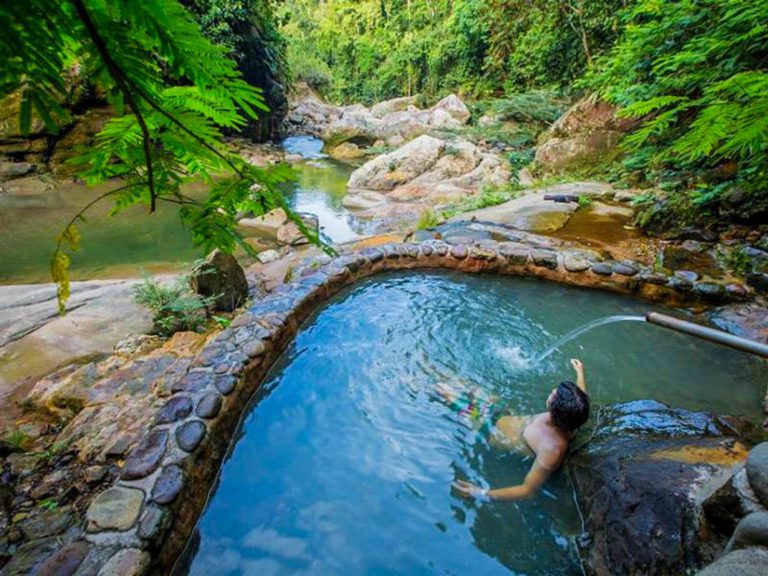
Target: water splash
515 357
586 328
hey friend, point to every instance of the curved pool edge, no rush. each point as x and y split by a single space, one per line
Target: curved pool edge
168 477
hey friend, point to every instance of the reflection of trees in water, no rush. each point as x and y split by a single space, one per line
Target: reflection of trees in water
532 536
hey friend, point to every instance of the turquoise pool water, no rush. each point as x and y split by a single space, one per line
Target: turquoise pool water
344 463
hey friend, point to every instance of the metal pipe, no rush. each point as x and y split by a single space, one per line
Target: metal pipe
711 334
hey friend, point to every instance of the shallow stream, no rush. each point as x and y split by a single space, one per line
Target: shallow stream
32 217
344 463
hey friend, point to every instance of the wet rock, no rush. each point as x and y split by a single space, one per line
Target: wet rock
459 252
687 275
751 531
737 291
709 291
747 320
220 275
625 269
254 348
544 258
726 503
746 562
575 262
757 471
226 384
637 482
168 485
680 284
127 562
46 523
190 435
31 557
655 278
146 457
153 523
115 509
177 408
65 561
209 406
602 268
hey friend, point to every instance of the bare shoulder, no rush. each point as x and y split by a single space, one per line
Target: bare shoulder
551 452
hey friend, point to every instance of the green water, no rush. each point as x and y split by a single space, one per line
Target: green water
123 245
344 463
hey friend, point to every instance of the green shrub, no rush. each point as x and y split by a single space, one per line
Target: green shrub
428 219
174 307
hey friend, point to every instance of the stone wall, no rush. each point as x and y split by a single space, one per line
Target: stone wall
142 523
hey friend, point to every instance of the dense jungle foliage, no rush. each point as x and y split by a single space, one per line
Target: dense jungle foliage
173 91
370 50
694 72
182 73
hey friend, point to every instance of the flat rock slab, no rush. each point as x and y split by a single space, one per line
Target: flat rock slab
35 340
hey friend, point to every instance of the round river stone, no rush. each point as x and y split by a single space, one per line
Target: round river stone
168 485
126 562
190 435
66 561
602 269
177 408
752 530
757 471
209 406
459 252
115 509
146 457
225 383
625 269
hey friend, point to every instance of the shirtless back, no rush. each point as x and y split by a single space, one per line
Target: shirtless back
545 436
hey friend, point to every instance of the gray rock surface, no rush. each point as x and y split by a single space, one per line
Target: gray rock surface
221 276
746 562
757 471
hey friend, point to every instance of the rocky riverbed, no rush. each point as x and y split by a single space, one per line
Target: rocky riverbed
155 416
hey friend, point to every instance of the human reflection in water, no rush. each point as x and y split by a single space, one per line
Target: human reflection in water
545 436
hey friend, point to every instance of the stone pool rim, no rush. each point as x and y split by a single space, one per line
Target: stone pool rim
143 522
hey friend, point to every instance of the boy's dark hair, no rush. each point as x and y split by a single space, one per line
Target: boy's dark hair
570 407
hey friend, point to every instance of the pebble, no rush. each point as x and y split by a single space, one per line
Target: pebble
737 290
190 434
177 408
65 561
153 522
623 269
225 384
459 252
126 562
602 269
254 348
114 509
209 406
655 278
544 258
709 290
575 263
687 275
168 485
146 457
680 284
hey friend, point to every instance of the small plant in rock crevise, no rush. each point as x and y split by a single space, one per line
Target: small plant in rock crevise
584 201
17 439
174 306
736 259
48 504
221 321
428 219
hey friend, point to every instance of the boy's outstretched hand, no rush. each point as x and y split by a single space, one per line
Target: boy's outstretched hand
577 365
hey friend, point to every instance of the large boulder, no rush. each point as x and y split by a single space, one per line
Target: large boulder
220 275
395 105
757 472
588 132
638 483
746 562
389 171
453 107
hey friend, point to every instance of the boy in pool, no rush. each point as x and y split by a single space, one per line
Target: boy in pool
545 436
